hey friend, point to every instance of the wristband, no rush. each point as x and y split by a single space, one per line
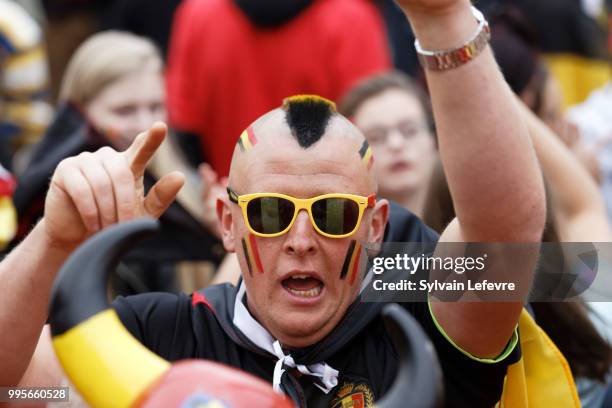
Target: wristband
453 58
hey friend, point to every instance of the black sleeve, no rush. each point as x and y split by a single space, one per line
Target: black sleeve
467 382
404 226
160 321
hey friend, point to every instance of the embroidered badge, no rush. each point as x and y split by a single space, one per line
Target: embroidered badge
353 395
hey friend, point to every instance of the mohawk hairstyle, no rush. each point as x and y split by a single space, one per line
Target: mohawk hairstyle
307 117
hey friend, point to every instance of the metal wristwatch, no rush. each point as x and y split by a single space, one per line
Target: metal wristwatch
449 59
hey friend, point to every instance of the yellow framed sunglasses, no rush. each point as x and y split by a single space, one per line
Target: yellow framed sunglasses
272 214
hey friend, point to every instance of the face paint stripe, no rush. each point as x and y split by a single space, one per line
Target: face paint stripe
367 156
355 263
347 259
250 252
364 148
253 243
251 136
247 256
244 141
370 162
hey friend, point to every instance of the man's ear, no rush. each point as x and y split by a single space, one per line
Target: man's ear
380 216
226 222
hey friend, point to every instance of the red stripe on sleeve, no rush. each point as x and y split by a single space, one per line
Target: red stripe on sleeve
197 298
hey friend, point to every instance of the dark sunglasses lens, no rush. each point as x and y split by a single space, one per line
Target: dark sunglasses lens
335 216
269 215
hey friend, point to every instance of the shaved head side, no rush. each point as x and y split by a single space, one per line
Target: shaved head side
307 117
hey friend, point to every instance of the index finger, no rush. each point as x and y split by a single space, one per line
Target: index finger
144 147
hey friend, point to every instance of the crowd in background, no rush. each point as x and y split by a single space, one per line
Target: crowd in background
76 75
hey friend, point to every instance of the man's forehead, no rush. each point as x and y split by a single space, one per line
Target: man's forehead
269 154
271 133
328 163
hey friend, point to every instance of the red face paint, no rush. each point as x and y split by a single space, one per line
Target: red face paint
247 139
251 253
251 135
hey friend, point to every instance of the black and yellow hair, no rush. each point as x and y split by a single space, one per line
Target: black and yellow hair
308 117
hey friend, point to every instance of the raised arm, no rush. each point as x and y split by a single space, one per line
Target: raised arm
87 193
576 198
490 163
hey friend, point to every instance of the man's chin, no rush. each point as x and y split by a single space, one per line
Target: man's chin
304 332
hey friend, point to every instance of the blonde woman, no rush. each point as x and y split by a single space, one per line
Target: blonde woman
113 89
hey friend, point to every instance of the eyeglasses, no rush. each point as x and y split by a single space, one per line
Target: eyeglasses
331 215
408 129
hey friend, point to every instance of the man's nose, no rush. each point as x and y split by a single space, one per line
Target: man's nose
301 238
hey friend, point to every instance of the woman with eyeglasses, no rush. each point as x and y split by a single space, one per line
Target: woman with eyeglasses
392 113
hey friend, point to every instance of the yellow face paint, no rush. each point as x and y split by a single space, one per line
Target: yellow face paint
351 261
366 154
247 139
251 253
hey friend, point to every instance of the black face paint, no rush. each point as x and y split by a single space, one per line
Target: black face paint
347 259
246 256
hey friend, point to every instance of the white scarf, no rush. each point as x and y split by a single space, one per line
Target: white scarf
327 376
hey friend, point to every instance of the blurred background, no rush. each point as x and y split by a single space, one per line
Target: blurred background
76 75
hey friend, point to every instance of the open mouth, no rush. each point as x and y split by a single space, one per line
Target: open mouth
303 286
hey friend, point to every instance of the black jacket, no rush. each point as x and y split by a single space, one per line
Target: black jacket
201 326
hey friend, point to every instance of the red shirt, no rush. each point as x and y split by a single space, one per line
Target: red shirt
224 72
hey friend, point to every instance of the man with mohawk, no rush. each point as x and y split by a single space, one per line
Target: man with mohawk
301 203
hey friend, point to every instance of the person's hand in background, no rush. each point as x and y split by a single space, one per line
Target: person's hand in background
213 188
569 134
